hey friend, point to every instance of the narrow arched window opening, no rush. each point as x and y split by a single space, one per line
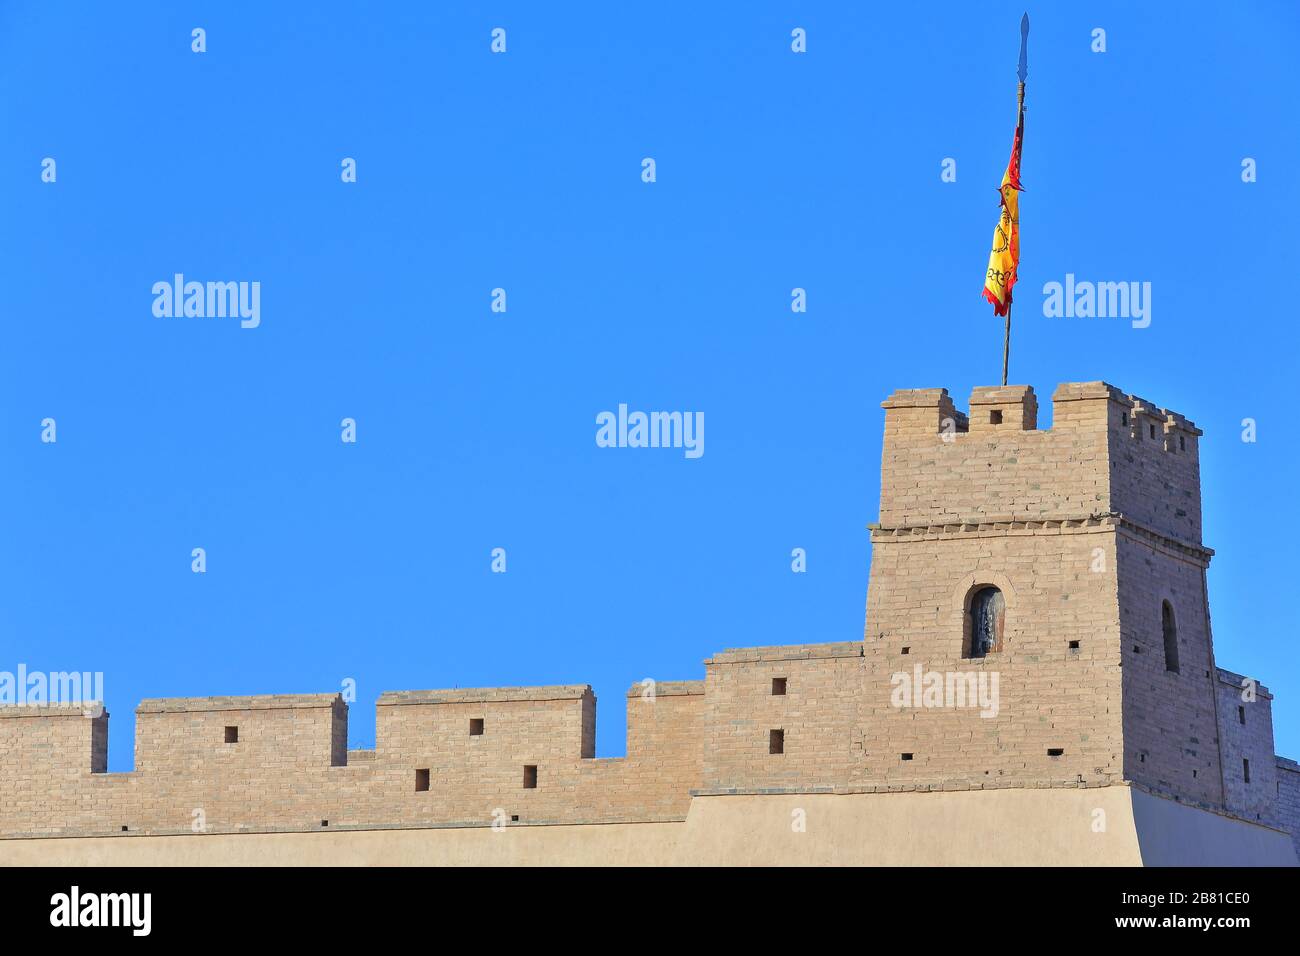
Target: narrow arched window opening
1170 629
987 614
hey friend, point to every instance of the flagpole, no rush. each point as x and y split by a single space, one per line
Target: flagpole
1020 127
1022 71
1006 345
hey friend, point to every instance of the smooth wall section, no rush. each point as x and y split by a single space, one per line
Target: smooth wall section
1104 826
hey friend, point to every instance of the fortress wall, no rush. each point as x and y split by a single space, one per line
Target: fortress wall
1169 718
669 732
1246 734
281 771
1030 827
1049 695
817 716
1287 805
189 771
666 740
47 754
469 775
968 501
665 750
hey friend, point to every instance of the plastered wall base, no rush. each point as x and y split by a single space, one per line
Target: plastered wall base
1106 826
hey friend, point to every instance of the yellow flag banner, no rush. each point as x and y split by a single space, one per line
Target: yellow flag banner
1005 257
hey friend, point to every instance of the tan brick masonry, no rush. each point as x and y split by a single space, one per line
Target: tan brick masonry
1087 529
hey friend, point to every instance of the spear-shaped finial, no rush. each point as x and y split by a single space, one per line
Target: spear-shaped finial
1023 70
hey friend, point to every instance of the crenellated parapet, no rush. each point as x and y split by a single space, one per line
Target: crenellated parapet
1107 453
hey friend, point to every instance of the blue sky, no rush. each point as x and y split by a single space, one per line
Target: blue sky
522 171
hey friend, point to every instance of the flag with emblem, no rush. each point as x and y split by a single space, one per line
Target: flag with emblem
1005 257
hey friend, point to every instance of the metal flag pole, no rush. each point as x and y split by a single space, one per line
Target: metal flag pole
1022 71
1006 345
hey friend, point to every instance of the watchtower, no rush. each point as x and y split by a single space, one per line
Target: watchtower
1066 561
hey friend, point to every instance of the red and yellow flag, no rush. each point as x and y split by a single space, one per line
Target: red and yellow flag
1005 257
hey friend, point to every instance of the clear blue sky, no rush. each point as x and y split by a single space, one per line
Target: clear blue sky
476 430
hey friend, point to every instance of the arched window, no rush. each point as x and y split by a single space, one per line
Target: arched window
1170 629
987 610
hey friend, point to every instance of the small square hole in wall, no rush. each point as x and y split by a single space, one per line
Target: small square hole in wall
124 828
907 650
324 823
1055 751
1136 649
232 735
530 777
514 818
1074 645
995 417
421 780
905 756
776 741
778 686
476 726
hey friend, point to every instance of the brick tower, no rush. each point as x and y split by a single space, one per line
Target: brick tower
1067 562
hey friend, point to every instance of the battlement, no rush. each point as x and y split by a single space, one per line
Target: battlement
786 652
1107 453
1006 407
289 730
199 705
481 695
668 688
556 721
1239 682
64 740
45 710
926 411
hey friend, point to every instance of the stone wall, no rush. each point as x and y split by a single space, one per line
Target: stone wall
1246 736
1016 827
1171 735
1287 806
1086 529
1058 675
